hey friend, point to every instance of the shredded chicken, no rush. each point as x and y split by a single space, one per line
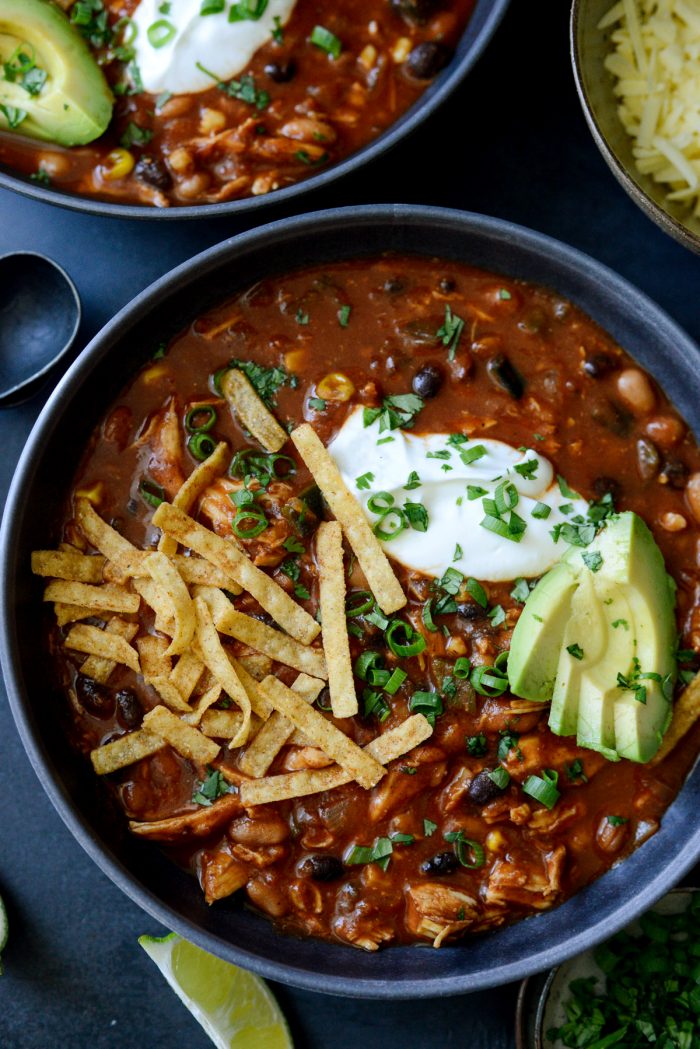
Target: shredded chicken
436 911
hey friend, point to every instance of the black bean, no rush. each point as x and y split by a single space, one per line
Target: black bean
427 59
427 380
675 473
505 376
443 863
129 710
394 286
416 11
133 507
607 486
598 364
95 698
322 868
447 285
648 459
281 72
153 171
482 789
471 611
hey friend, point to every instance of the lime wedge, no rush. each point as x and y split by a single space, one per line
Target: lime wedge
235 1008
4 928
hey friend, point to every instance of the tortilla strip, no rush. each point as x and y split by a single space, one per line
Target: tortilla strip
154 597
261 637
261 706
105 539
225 555
171 583
195 485
209 698
199 824
221 724
216 660
258 666
71 613
262 751
186 740
391 745
323 733
153 656
253 414
125 751
100 669
107 598
346 509
96 642
186 674
64 564
686 711
336 644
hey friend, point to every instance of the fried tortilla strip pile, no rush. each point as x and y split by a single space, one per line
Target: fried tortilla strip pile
336 644
217 662
346 509
290 616
391 745
251 411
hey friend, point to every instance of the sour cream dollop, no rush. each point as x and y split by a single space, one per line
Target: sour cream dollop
171 47
449 491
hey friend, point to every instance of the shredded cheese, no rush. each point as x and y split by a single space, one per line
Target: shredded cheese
655 59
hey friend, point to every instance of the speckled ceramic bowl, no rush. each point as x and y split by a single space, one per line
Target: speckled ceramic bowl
589 46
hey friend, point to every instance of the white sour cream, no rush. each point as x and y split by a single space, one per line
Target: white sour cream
224 48
455 519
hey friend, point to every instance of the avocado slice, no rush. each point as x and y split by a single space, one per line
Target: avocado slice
51 87
534 650
615 605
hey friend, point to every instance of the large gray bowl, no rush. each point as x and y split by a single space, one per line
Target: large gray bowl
44 473
481 26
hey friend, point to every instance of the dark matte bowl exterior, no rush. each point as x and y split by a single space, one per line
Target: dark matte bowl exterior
589 46
39 486
484 21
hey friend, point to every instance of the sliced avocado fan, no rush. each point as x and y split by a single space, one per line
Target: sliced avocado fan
597 638
51 87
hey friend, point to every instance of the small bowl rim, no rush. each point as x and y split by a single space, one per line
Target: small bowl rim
10 396
305 968
408 122
670 225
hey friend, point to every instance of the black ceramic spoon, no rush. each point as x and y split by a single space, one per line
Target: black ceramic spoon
39 319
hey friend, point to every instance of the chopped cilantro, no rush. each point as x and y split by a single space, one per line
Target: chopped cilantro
397 412
450 332
575 650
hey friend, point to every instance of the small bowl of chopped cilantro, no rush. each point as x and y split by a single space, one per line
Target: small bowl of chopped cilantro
639 989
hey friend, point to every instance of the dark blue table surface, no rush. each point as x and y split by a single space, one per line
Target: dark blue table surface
512 142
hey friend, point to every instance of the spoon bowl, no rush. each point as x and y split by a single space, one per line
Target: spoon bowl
39 319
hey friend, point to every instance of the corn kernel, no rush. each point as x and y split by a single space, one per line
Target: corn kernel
367 57
119 164
335 387
93 494
211 120
401 49
495 841
295 360
154 374
181 161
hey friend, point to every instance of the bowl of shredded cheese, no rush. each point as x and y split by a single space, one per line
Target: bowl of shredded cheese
637 70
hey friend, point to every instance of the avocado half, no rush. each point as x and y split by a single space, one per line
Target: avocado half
74 105
600 612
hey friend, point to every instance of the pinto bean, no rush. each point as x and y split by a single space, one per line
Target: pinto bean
192 187
610 837
269 830
665 431
267 895
671 522
636 391
692 495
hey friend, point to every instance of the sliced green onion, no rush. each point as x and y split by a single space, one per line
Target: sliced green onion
413 642
489 681
160 33
357 603
151 492
541 511
378 677
543 788
366 661
390 524
380 502
201 446
427 703
501 660
327 41
249 513
506 496
374 703
470 455
462 668
212 7
500 527
396 680
377 618
210 416
427 616
464 847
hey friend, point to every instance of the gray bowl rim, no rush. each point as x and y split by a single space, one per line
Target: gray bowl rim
433 97
13 391
651 209
302 230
